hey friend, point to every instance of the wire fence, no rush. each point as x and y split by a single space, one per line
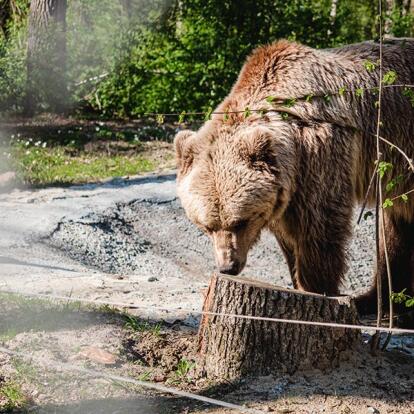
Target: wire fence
155 386
283 104
201 312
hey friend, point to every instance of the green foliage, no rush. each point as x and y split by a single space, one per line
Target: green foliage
191 61
409 93
12 398
402 24
289 102
13 58
43 165
182 372
393 183
137 325
145 376
369 66
384 167
175 56
389 77
387 203
402 298
359 92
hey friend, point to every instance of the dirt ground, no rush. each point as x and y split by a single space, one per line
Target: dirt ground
128 241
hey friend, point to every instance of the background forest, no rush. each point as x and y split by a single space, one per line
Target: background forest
124 58
80 78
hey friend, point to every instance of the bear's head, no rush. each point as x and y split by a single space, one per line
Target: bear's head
232 184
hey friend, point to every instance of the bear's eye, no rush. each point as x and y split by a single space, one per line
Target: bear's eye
240 225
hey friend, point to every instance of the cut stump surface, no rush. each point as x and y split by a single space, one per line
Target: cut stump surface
230 347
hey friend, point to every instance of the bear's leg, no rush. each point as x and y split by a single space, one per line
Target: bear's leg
320 267
399 236
289 254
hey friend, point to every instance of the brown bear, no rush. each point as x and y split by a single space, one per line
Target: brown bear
292 149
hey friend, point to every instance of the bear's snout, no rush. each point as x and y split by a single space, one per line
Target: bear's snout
232 268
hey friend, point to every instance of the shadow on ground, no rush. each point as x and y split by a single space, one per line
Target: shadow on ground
145 349
136 405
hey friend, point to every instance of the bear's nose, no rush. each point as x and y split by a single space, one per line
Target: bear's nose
231 268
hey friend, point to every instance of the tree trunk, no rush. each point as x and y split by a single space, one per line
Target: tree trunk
230 348
11 13
46 56
5 13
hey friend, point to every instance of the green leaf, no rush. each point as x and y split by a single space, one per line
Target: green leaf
160 118
309 97
327 98
390 77
226 116
270 99
289 102
409 303
392 183
341 91
181 117
404 197
207 116
387 203
247 112
399 297
359 92
369 66
284 115
409 93
383 167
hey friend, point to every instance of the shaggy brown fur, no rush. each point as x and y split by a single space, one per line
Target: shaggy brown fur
301 177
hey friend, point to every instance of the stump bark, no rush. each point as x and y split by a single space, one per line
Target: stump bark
230 348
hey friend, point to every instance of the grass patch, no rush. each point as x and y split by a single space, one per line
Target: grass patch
58 165
182 373
137 325
12 399
44 162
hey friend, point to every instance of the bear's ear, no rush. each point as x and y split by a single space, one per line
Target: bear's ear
257 146
183 143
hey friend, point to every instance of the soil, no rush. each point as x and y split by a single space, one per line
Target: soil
127 240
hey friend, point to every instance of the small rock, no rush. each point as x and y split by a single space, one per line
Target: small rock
152 279
372 410
160 378
97 355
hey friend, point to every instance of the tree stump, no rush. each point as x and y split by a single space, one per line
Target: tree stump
230 348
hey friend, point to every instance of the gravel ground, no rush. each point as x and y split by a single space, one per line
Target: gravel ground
129 241
153 238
